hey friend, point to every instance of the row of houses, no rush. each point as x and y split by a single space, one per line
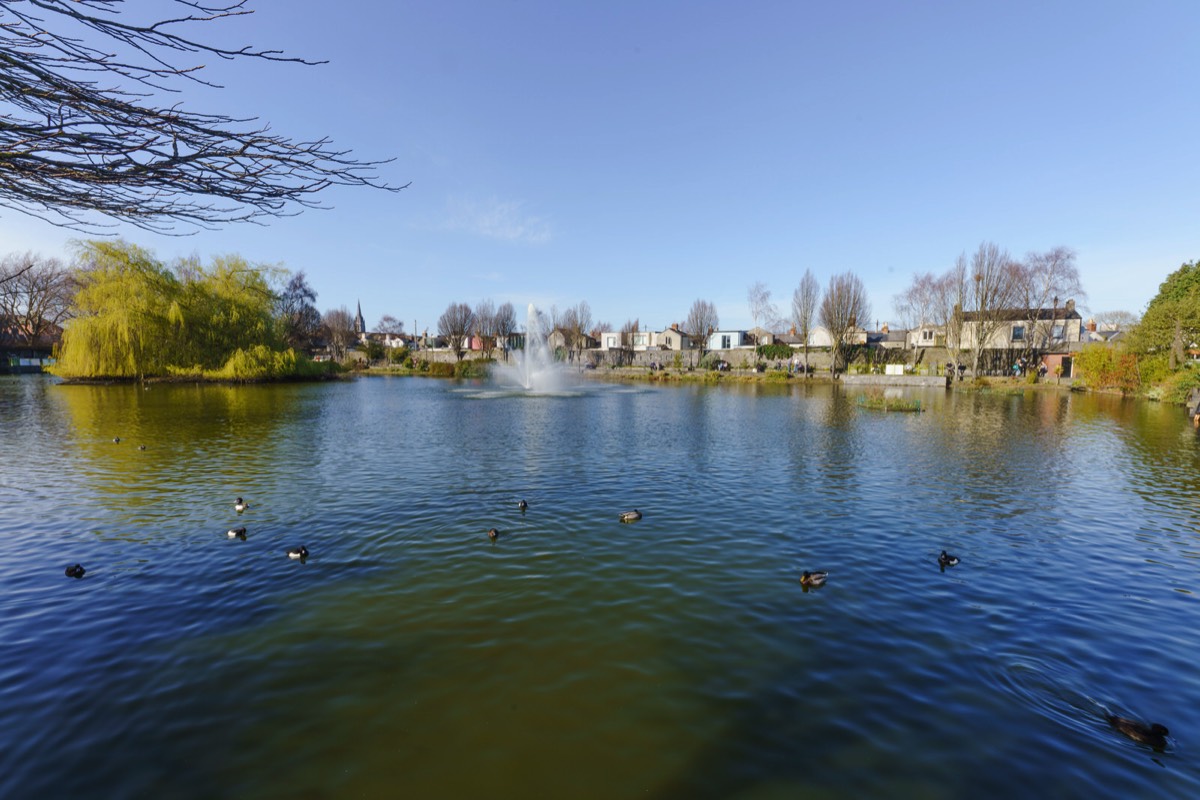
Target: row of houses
1057 329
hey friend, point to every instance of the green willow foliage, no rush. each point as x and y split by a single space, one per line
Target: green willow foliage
136 318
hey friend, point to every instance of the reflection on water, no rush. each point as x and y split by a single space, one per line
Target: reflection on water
576 656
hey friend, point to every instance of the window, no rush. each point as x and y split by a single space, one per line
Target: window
1018 334
612 341
927 335
1056 332
725 342
639 340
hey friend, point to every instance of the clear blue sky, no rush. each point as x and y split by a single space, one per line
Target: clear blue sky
641 155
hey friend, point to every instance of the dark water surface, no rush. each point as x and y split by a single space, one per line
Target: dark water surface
677 657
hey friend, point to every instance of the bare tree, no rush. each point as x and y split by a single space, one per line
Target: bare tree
338 325
574 324
1115 320
296 311
455 325
389 324
505 325
82 130
991 292
701 321
35 296
762 311
950 299
804 309
1045 280
485 325
843 306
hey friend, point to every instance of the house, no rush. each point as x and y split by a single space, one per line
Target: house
728 340
23 350
1024 328
673 339
820 336
887 339
927 335
760 336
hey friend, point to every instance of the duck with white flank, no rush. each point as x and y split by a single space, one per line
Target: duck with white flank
811 580
300 553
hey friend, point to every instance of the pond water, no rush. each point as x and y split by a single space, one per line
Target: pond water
576 656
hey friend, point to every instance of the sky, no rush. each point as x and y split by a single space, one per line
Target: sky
642 155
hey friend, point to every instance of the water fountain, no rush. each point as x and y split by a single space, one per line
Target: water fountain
533 369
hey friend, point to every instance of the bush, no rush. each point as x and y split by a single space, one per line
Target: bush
775 352
1102 367
400 355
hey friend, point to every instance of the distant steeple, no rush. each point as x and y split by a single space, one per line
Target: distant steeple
360 327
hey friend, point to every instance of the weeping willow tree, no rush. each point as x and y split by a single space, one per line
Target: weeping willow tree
136 318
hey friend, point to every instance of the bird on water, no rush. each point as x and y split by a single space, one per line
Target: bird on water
300 552
947 560
523 506
237 533
241 505
631 516
813 579
75 571
1154 735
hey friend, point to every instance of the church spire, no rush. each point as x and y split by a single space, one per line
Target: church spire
360 327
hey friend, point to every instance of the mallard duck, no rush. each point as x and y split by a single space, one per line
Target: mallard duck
237 533
1154 735
75 571
493 534
300 552
523 506
947 560
813 579
241 505
631 516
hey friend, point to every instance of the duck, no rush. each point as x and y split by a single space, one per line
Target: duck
241 505
141 447
237 533
523 506
300 552
493 534
631 516
116 440
814 578
75 571
947 560
1154 735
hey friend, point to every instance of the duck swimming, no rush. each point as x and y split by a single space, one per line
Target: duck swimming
300 552
947 560
522 505
631 516
241 505
1154 735
75 571
237 533
493 534
813 579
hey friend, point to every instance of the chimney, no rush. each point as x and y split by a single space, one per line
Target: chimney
884 329
793 330
1091 325
1070 307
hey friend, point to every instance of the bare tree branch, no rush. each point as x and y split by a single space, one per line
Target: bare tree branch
71 146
